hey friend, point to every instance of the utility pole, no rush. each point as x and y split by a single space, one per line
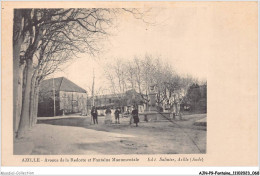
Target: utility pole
72 102
93 88
53 86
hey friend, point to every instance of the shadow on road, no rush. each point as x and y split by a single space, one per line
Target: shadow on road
85 123
74 121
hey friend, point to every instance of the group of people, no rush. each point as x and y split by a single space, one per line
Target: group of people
108 112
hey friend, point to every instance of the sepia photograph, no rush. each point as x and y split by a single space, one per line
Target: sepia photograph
135 84
107 81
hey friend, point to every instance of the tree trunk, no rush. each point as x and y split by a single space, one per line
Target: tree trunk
31 107
36 98
17 42
19 96
24 121
32 99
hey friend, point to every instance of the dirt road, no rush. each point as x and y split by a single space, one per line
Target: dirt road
78 136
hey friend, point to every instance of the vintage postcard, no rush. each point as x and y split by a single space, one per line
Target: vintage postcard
129 84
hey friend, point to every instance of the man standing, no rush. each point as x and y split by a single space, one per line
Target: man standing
117 112
135 115
94 114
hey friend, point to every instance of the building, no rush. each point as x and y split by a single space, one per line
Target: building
69 98
121 100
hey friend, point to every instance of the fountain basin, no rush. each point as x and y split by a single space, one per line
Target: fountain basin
154 116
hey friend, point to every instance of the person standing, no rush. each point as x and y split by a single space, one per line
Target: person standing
117 112
108 118
94 114
135 115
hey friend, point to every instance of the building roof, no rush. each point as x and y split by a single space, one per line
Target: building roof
60 84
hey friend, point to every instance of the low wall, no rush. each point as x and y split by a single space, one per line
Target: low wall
154 116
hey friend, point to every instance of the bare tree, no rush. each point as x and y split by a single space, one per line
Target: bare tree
142 73
51 37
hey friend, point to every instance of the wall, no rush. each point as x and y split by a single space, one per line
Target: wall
73 102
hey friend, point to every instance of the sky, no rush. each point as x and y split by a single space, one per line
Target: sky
180 36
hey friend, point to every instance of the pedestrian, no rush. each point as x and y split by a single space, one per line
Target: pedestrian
135 115
94 114
117 112
108 118
108 111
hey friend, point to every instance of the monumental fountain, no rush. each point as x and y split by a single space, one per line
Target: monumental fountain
152 112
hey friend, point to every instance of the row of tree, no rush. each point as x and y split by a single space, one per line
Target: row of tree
145 73
43 40
196 98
